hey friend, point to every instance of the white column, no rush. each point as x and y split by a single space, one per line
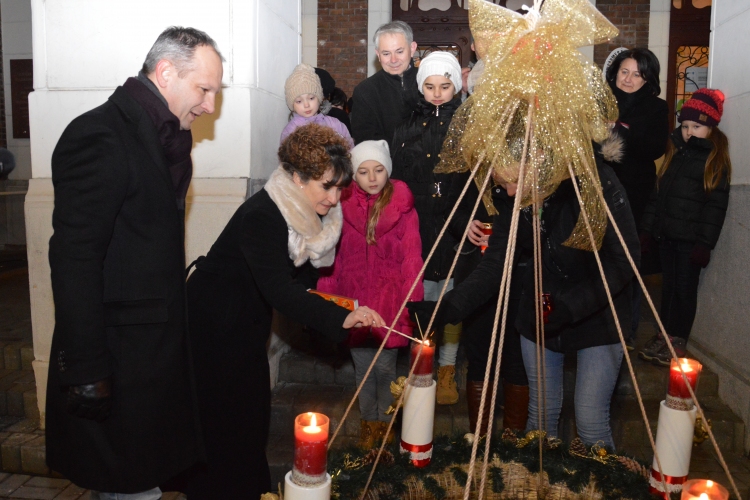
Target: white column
658 38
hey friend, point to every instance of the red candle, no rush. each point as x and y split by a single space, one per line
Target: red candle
678 396
424 363
486 229
310 449
703 489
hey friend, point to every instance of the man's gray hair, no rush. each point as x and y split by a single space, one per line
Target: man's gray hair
177 45
394 28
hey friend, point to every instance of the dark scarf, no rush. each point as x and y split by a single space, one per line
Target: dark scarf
626 101
176 143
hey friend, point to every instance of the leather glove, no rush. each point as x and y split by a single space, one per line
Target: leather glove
91 401
646 242
559 318
701 255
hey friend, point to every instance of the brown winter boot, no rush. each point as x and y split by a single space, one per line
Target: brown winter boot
516 411
473 398
379 432
447 393
367 434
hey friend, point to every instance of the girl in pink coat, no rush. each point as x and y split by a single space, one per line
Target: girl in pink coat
377 260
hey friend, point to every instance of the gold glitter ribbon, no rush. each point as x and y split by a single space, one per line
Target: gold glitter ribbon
532 60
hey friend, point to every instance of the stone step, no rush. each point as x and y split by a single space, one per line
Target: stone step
17 383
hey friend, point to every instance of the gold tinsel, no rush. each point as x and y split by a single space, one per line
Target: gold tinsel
538 101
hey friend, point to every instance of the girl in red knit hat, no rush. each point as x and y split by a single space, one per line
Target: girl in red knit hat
685 215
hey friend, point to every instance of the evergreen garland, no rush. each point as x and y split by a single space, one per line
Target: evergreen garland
350 469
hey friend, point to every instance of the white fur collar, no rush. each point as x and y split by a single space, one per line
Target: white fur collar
310 237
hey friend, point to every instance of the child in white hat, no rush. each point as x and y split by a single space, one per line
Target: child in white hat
378 258
304 94
416 151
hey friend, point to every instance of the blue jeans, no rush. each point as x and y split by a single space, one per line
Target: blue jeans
596 376
679 292
152 494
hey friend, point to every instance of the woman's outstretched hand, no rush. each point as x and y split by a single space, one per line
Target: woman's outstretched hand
363 316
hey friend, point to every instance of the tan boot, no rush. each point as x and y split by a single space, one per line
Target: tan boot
380 428
516 411
367 434
447 393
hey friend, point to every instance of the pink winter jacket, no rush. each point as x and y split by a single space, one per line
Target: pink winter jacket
379 275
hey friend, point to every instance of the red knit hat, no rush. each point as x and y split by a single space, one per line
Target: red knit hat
705 106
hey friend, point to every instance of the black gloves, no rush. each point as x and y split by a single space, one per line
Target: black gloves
92 401
559 318
701 255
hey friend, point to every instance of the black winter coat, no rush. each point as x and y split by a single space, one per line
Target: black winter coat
118 280
571 276
380 103
231 297
680 209
416 150
643 124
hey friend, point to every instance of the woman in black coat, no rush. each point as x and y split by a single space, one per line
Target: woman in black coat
265 259
643 125
581 321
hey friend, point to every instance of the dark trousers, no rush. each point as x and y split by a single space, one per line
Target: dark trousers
477 331
679 296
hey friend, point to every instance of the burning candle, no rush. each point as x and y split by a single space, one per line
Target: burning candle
678 395
310 449
486 229
424 364
703 489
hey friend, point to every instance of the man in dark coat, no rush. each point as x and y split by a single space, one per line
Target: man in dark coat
121 411
388 97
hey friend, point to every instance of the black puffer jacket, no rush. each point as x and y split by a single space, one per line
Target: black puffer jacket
416 149
571 276
643 124
680 209
381 102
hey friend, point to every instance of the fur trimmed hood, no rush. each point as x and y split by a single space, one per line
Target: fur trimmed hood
310 236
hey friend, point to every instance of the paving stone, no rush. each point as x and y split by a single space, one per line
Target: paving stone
173 495
324 373
12 355
34 493
31 404
86 496
27 356
33 456
48 482
25 426
71 492
296 367
10 451
344 375
12 483
15 396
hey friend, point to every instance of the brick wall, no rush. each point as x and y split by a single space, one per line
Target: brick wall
631 18
342 41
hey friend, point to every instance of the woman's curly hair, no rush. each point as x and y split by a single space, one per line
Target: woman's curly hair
311 150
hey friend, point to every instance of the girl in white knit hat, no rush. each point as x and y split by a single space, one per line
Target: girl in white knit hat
416 150
378 258
304 94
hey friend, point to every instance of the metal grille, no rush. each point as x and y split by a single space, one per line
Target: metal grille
692 73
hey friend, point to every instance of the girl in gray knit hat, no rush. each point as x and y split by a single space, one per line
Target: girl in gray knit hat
304 94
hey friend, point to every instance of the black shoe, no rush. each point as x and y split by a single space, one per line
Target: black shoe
652 347
664 356
629 345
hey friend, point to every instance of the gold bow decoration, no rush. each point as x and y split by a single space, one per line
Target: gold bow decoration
397 388
537 102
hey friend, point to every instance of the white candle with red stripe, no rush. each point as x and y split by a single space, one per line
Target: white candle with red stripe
674 445
419 408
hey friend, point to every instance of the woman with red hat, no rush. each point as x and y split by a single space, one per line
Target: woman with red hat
685 215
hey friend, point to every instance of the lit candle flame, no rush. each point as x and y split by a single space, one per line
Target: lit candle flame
703 496
426 343
313 427
709 483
